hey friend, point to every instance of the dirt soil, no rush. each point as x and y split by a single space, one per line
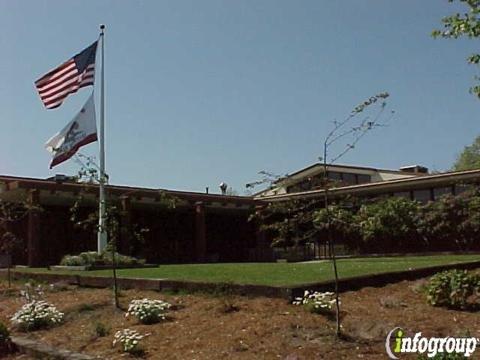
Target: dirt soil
203 326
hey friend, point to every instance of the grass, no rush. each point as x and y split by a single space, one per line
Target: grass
276 274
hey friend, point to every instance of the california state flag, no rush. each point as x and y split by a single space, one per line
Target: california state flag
82 130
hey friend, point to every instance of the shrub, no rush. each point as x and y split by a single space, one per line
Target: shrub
37 314
72 260
6 345
148 311
452 288
101 329
390 225
452 222
92 258
4 334
341 223
130 340
317 302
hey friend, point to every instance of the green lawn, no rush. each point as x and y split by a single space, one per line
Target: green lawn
278 274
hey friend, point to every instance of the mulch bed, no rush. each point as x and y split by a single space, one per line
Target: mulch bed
203 326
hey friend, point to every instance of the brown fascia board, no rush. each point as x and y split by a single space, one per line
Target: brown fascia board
49 185
347 167
384 186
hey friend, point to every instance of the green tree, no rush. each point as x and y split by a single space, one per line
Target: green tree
467 24
389 225
469 158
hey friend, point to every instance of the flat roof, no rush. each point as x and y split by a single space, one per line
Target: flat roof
385 186
16 182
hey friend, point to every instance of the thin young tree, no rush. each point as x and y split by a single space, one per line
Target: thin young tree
352 128
292 220
88 174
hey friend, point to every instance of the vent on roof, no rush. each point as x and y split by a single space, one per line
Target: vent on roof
60 178
415 169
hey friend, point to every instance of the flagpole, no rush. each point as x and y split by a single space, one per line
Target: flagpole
102 234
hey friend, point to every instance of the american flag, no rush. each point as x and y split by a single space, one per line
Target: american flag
67 78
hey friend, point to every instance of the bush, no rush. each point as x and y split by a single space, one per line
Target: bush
4 334
452 288
342 225
390 225
148 311
452 222
37 314
317 302
130 340
72 260
6 345
92 258
101 330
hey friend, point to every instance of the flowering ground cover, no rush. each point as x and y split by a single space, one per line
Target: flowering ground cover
279 274
202 326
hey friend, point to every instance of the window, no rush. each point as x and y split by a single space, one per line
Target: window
460 188
363 179
404 194
438 192
332 175
349 179
422 195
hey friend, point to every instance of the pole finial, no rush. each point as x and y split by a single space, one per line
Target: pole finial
102 27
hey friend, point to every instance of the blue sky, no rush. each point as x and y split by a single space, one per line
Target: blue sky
200 92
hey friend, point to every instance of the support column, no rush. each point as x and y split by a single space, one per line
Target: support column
33 231
200 233
124 245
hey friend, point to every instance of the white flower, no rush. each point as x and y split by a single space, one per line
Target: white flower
37 314
148 311
128 338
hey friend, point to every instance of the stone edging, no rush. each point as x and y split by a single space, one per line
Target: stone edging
40 350
285 292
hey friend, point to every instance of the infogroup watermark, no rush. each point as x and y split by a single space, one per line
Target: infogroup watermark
397 343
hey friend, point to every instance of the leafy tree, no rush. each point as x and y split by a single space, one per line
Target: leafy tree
451 222
341 223
11 213
389 224
469 159
467 24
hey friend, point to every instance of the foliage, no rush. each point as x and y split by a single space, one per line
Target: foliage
389 224
341 223
32 291
4 334
317 302
92 258
37 314
451 222
469 158
452 288
458 25
11 213
130 340
101 330
148 311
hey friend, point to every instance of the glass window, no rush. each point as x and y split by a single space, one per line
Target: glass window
363 179
404 194
460 188
349 178
334 175
422 195
438 192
